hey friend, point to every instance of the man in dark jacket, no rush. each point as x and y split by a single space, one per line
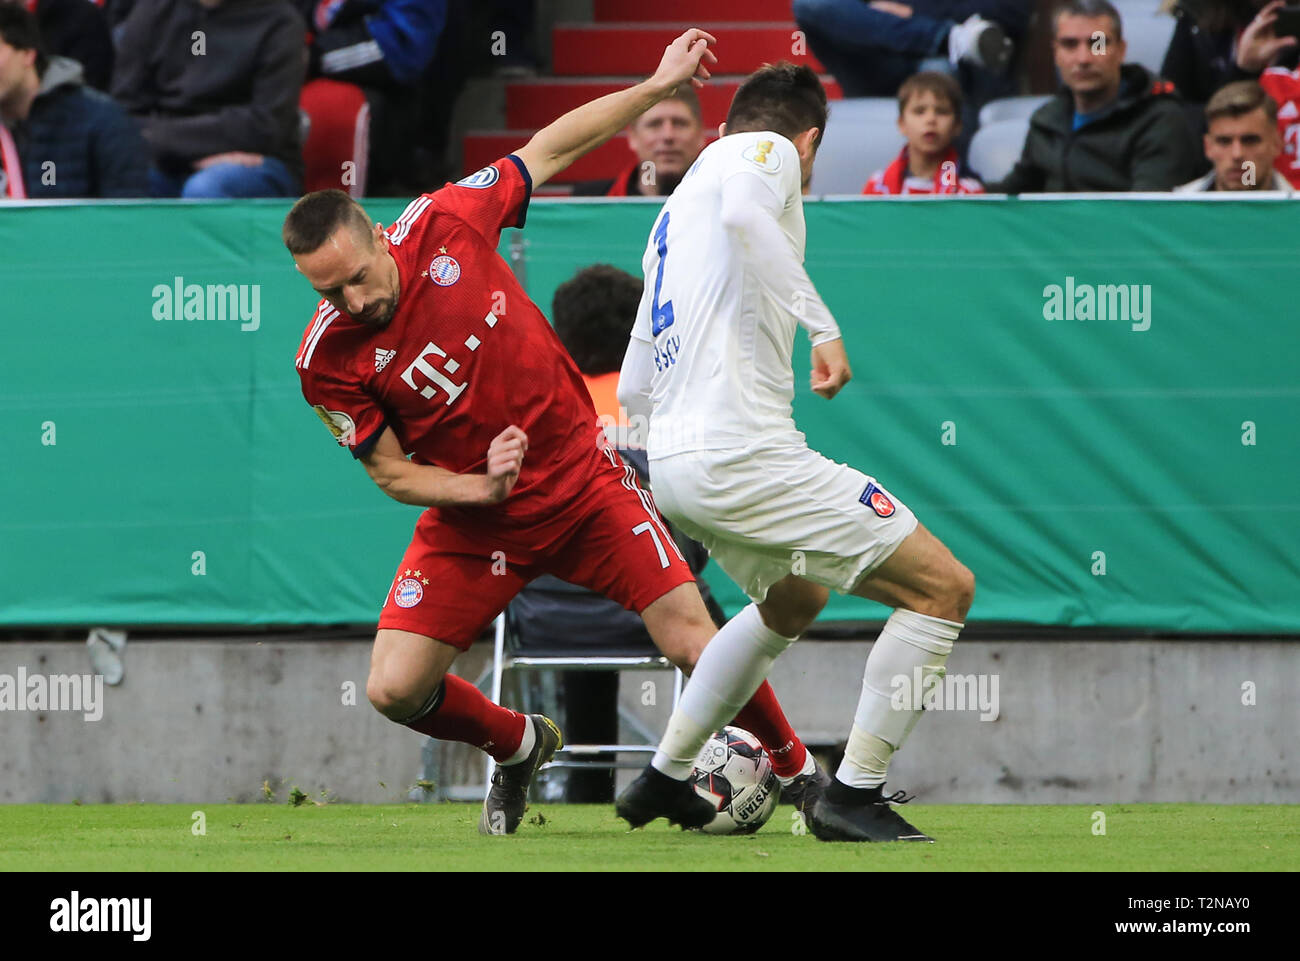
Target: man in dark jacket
215 86
1114 126
59 139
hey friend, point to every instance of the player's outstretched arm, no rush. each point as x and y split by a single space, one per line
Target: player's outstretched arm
424 485
587 127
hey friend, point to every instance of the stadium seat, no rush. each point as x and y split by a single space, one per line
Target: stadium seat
623 49
996 147
1011 108
338 131
530 639
861 137
1146 30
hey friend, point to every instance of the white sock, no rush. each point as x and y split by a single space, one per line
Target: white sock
525 744
908 641
809 767
866 760
734 663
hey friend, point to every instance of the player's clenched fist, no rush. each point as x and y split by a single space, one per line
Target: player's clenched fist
830 368
505 458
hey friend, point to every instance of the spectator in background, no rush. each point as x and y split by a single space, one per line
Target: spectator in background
666 140
872 47
593 312
385 47
78 30
1241 141
1216 42
58 138
214 85
1260 46
1113 126
929 117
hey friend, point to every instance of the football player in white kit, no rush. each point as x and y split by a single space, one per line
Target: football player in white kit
709 364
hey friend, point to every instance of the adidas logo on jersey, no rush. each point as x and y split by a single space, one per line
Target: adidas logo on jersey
382 357
1289 111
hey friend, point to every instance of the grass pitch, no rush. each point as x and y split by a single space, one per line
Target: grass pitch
443 837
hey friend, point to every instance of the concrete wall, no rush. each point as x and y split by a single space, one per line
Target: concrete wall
1105 721
1090 721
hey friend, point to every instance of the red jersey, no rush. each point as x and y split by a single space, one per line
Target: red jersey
1284 87
895 179
465 355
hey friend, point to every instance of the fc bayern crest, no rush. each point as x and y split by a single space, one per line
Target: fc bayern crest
444 270
877 500
408 592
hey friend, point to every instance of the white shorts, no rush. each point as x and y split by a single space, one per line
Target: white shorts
767 512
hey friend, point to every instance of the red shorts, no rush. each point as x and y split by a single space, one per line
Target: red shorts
454 578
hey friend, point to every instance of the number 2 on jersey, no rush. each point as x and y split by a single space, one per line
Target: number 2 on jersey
661 315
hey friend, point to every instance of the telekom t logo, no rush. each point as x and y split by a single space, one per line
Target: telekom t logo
434 374
472 343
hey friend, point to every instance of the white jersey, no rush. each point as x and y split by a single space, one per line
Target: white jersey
722 343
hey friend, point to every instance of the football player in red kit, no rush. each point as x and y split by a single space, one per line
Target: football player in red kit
425 345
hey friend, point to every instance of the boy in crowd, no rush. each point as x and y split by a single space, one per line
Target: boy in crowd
929 117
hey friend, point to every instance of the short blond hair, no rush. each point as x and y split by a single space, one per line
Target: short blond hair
686 94
1238 99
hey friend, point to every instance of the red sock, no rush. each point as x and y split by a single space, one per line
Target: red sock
763 718
466 714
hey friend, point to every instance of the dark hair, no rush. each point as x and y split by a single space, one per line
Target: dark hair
593 312
19 30
1090 9
942 85
781 97
315 217
1238 99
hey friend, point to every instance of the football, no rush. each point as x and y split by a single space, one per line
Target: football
734 774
